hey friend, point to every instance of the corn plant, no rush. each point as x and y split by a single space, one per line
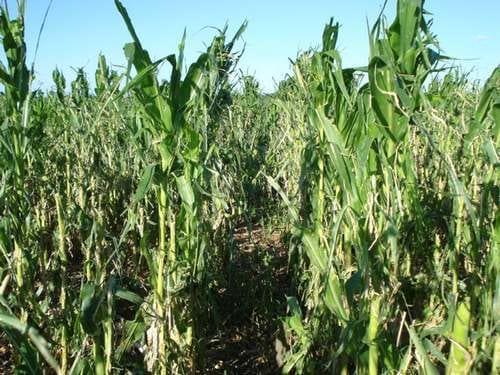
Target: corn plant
178 266
17 153
360 195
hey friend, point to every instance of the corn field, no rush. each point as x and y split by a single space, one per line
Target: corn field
346 223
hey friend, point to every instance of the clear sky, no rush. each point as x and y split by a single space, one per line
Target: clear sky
77 30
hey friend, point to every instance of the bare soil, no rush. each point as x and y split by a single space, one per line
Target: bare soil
246 341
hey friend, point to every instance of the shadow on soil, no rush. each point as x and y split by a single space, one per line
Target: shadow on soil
250 307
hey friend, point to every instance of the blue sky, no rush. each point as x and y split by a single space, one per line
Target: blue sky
77 30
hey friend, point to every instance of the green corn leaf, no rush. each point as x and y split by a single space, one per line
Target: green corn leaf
192 85
495 112
495 363
185 190
129 24
5 78
431 348
491 88
142 79
237 35
330 35
382 90
496 300
403 31
145 183
422 356
34 335
129 296
291 208
321 122
490 151
335 298
294 319
90 304
132 333
314 252
149 94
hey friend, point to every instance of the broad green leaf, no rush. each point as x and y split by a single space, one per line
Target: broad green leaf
129 296
34 335
145 183
314 252
90 304
422 356
335 298
491 88
185 190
